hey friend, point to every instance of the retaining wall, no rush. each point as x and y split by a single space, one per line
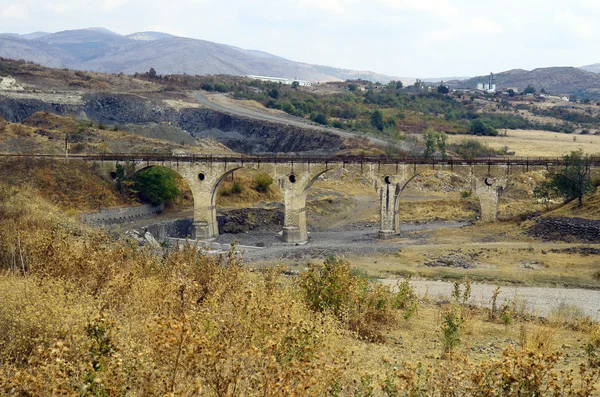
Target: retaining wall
561 228
111 216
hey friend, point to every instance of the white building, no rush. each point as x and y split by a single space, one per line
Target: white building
486 87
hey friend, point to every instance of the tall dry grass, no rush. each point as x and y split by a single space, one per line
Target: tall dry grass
84 314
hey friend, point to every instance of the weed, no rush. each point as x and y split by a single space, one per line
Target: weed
452 322
494 308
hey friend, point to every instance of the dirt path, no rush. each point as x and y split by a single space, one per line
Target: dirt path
534 300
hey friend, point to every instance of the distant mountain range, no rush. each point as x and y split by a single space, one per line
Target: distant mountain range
99 49
582 82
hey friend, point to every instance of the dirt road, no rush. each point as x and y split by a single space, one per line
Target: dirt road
223 104
539 301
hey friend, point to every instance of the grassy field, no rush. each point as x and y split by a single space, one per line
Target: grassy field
537 143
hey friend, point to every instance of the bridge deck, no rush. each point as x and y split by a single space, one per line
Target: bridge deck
526 161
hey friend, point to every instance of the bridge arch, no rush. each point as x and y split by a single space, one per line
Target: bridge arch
204 174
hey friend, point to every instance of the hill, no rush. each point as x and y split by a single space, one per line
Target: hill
98 49
555 80
594 68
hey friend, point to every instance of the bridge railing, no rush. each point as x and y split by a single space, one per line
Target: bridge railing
287 158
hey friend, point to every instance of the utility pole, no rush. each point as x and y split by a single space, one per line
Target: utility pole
66 145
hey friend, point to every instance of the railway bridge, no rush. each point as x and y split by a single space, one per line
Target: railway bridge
294 174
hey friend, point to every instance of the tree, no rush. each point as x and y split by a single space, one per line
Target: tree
529 90
435 141
574 181
377 120
430 143
295 85
395 85
441 140
274 93
511 92
319 118
442 89
480 127
152 73
545 192
155 185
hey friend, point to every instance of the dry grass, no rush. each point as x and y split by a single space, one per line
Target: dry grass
69 187
497 253
249 196
590 208
526 143
85 315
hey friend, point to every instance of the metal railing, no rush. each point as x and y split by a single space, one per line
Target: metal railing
287 158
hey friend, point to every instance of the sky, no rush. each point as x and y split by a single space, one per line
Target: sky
406 38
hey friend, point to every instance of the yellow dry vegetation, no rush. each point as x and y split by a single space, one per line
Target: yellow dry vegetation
83 314
249 195
496 253
589 210
528 143
72 185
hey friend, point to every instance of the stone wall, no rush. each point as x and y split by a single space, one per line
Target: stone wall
181 228
562 228
111 216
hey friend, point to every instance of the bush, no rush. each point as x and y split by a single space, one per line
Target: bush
368 309
451 328
479 127
472 148
236 187
319 118
262 182
155 185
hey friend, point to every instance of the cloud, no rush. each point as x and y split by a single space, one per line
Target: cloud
14 10
484 25
442 8
112 4
576 24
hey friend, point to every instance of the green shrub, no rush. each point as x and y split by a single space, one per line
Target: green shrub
451 328
237 187
320 118
479 127
155 185
262 182
472 148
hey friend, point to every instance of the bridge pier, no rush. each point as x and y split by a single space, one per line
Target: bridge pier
488 192
389 192
294 180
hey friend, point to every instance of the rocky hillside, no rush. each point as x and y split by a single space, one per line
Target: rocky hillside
555 80
101 50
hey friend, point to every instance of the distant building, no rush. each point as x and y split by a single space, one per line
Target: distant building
489 86
281 80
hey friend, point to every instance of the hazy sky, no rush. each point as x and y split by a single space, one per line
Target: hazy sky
420 38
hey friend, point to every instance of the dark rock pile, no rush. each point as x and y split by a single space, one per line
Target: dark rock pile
563 228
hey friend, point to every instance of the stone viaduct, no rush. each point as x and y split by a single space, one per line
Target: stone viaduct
295 175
